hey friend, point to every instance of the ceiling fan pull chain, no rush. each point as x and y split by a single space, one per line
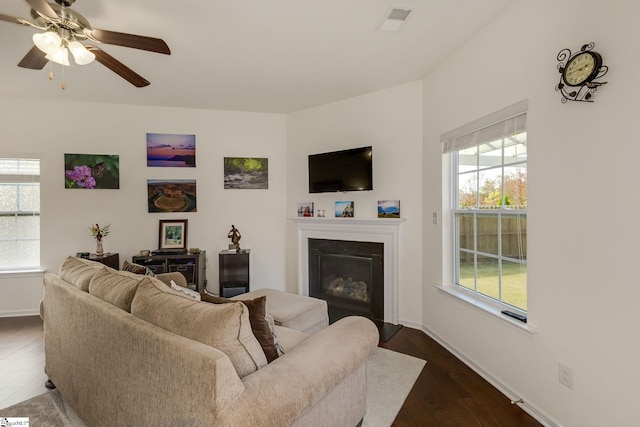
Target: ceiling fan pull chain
50 71
62 85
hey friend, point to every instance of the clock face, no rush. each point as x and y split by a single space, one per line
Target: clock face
581 68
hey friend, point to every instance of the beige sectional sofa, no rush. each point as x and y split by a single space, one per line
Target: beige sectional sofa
126 349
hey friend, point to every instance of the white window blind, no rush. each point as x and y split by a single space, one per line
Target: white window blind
502 124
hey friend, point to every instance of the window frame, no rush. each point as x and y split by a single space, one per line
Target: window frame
476 211
474 134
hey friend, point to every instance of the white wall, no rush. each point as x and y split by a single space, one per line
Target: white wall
51 129
391 122
583 203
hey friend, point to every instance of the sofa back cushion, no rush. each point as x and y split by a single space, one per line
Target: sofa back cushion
79 272
223 326
116 287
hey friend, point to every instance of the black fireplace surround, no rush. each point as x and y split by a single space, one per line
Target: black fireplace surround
349 275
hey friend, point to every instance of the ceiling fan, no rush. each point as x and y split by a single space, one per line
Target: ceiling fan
64 29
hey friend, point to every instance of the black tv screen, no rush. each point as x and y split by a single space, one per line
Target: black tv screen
346 170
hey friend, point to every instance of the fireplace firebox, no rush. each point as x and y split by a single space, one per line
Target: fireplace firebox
349 275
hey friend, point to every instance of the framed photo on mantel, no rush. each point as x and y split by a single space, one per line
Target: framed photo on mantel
172 234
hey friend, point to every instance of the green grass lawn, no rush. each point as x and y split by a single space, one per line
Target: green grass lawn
514 281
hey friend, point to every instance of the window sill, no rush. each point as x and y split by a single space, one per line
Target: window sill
485 307
27 272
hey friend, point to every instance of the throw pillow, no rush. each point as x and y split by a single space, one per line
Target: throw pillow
134 268
272 328
257 317
114 287
193 294
223 326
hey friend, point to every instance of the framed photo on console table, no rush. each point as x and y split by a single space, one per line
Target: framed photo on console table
172 234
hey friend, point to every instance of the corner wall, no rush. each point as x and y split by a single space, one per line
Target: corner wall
390 121
582 214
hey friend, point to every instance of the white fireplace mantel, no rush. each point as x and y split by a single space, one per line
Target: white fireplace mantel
377 230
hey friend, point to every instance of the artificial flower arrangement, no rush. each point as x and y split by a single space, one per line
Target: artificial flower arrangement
99 232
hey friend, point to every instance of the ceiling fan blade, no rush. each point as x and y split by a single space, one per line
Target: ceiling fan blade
10 19
118 67
151 44
34 59
43 8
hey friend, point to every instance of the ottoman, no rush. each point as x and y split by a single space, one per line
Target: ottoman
305 314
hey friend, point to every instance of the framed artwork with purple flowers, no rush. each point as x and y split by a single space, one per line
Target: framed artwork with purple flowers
91 171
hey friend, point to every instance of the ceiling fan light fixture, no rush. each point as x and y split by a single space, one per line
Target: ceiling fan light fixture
59 56
48 42
80 53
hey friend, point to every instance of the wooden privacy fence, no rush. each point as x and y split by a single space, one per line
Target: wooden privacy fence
514 235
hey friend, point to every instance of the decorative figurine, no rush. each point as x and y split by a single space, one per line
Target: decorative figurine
235 237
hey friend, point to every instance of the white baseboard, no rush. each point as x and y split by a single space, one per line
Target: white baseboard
526 406
20 313
410 324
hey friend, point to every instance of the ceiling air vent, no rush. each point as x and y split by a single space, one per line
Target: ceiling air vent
394 19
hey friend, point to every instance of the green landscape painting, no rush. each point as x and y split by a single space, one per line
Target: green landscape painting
246 173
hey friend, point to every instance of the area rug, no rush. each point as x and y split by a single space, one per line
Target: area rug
390 377
45 410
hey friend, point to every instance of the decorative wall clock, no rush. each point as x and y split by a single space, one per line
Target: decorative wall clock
578 72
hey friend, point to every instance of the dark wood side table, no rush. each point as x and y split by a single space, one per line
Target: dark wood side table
234 273
109 259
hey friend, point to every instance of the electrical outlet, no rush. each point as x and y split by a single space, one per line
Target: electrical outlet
435 218
565 375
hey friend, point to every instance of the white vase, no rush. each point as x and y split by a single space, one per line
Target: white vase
99 249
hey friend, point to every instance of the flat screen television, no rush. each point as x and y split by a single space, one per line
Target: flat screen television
346 170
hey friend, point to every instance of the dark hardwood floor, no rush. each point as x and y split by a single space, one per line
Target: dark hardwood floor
447 392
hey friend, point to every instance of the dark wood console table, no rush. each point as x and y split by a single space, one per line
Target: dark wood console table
191 265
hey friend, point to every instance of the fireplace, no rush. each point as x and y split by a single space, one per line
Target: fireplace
349 275
384 231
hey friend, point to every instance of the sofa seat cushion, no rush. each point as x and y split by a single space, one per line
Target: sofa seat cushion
302 313
258 319
79 272
223 326
115 287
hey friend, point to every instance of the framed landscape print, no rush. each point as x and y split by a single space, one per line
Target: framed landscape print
171 150
177 195
92 171
172 234
246 173
388 208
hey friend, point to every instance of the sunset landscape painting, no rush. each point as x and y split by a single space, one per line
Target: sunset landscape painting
171 150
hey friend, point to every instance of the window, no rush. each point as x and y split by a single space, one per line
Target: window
489 206
19 213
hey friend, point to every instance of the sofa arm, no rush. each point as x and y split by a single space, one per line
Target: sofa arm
282 391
